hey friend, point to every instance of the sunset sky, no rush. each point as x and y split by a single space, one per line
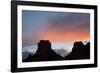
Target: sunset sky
57 27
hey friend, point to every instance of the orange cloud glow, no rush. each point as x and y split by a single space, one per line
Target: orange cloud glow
65 37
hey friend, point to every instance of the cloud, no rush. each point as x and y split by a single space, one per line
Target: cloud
71 22
54 26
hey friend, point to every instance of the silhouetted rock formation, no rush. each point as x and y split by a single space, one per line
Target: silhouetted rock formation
44 53
79 51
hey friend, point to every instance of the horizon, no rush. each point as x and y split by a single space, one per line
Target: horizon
54 46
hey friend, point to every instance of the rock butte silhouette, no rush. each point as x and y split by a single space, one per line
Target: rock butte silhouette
45 53
79 51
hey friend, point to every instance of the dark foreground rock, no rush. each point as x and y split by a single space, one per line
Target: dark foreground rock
79 51
45 53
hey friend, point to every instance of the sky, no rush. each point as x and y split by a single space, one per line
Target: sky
60 28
